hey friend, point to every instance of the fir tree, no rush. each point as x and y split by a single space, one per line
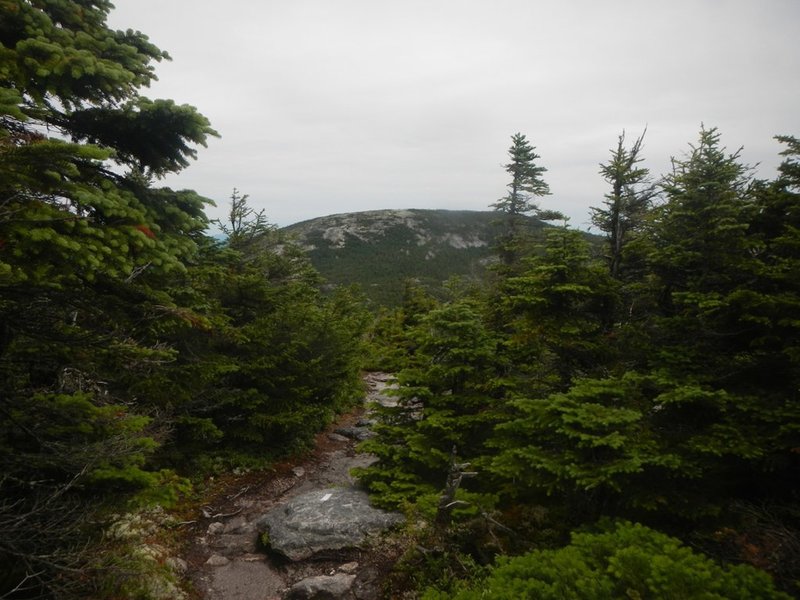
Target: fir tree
707 410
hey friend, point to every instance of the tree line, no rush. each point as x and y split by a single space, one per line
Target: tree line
137 352
653 379
609 402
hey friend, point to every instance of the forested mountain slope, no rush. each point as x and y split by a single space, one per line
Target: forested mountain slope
380 249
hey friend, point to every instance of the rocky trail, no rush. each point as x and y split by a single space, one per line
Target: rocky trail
317 521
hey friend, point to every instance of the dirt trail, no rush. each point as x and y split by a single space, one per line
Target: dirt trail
222 554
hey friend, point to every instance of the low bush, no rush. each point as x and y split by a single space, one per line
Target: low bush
623 561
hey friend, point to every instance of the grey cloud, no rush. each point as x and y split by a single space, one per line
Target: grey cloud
328 106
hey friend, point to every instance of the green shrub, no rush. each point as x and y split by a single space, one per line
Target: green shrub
624 561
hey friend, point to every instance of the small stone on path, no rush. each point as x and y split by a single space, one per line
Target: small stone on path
177 564
247 580
321 587
356 433
349 568
215 528
217 560
236 525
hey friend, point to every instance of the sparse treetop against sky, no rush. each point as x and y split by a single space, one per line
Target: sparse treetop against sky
328 106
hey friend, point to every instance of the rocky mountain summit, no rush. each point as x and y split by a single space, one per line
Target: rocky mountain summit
381 249
429 228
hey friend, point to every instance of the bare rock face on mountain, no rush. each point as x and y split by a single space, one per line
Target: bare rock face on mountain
379 249
328 519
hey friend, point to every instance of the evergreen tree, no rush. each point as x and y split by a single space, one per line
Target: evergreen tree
699 231
775 310
554 313
555 439
526 179
245 224
271 360
703 260
416 303
769 312
677 414
83 252
389 343
68 77
448 398
628 202
525 185
618 446
707 410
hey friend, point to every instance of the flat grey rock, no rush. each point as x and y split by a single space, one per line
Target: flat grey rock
217 561
236 525
247 580
322 587
328 519
356 433
349 568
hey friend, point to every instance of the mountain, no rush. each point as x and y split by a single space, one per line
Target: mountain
380 249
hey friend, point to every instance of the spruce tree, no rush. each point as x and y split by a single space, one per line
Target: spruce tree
448 399
628 202
769 310
703 258
85 243
526 184
71 110
554 311
701 411
622 560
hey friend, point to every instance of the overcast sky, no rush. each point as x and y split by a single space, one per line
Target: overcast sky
329 106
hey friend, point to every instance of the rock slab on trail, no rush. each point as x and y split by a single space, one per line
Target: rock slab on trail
322 587
223 559
327 519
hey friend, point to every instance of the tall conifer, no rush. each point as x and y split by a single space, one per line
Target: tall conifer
526 184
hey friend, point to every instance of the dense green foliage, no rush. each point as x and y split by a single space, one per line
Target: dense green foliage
626 561
657 381
451 373
133 348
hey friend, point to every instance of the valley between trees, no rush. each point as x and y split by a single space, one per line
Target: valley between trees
619 421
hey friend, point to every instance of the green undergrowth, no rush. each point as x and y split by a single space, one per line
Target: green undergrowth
622 560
